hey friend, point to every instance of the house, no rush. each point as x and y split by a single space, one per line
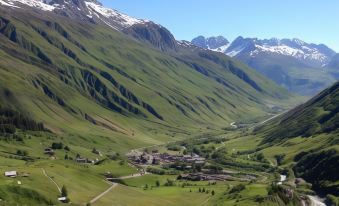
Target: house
62 199
11 174
83 160
49 151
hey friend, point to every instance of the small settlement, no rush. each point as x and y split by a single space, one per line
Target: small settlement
145 159
142 158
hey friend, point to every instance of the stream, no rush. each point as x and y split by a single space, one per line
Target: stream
316 201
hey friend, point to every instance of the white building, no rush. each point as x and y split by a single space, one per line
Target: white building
11 174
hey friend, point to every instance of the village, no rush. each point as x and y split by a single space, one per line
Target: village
187 163
156 158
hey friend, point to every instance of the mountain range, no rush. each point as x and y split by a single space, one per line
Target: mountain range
82 86
302 68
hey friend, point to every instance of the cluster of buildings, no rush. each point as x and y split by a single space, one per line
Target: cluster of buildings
143 158
78 159
200 176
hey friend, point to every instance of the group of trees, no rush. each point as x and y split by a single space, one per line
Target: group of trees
21 153
203 190
11 120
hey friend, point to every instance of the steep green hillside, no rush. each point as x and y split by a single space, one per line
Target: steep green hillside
308 135
94 82
319 115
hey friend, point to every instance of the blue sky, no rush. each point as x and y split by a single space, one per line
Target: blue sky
310 20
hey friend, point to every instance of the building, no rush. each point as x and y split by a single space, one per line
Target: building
62 199
84 160
49 151
11 174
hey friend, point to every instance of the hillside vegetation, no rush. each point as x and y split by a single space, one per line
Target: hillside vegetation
313 129
94 82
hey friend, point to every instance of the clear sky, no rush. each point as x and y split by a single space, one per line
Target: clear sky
314 21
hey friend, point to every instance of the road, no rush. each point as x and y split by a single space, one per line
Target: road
233 124
104 193
44 172
267 120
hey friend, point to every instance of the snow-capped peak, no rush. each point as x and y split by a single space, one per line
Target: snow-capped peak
82 9
125 20
39 4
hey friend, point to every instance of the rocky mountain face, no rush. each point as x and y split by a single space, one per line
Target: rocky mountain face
94 12
292 63
218 43
312 54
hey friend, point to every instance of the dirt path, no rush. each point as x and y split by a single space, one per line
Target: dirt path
44 172
104 193
204 202
223 144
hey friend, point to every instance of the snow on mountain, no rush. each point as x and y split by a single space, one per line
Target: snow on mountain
302 51
296 48
90 10
125 20
32 3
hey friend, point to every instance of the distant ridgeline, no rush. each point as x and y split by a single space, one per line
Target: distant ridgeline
11 120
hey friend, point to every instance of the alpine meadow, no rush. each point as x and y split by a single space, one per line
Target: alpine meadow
100 108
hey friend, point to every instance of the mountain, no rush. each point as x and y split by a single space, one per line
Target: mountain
334 63
86 11
116 75
312 129
292 63
218 43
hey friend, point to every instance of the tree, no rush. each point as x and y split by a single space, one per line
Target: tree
279 158
213 193
64 192
56 145
157 183
66 156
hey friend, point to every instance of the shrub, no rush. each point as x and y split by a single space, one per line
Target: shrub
237 188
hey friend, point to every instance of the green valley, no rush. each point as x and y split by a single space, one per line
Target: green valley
99 108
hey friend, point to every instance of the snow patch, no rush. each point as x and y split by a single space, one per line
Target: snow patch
34 3
10 4
125 20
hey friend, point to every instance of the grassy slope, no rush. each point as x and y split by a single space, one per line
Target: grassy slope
185 99
308 135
